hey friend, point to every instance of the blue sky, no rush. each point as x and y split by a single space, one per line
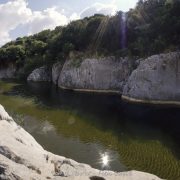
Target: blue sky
24 17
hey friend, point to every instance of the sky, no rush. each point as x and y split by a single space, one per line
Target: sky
19 18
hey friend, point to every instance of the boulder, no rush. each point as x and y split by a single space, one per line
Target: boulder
40 74
106 74
21 157
56 71
157 79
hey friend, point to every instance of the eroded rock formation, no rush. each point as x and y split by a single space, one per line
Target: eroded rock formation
156 79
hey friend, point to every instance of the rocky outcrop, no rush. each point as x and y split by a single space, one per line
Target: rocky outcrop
56 71
153 80
8 72
21 157
107 74
40 74
156 80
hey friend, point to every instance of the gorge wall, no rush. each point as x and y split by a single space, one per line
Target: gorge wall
106 74
155 79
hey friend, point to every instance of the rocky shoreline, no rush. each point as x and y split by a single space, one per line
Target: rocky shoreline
21 157
149 102
153 80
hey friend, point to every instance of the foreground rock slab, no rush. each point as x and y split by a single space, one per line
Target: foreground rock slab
21 157
156 80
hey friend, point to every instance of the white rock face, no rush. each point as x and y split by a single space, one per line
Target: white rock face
4 115
8 72
56 71
21 157
39 75
96 74
156 79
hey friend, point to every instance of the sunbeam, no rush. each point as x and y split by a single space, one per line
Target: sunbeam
99 34
123 30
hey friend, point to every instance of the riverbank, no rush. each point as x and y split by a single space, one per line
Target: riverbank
153 80
149 102
92 90
21 157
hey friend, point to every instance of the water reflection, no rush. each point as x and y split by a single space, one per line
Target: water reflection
104 160
99 129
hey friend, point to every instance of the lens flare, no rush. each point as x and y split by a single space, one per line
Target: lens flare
123 30
99 34
105 160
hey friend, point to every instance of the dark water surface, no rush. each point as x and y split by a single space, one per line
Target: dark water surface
84 127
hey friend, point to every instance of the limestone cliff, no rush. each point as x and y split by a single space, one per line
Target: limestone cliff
156 80
108 74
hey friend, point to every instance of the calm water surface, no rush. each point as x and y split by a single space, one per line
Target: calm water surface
85 127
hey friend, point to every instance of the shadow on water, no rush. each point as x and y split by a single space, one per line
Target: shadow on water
133 127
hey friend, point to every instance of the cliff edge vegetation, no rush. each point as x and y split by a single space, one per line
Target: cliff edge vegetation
152 27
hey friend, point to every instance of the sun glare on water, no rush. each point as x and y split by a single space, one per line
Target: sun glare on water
105 160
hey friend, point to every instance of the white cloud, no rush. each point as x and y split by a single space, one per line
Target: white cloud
74 16
125 5
46 19
4 37
99 8
16 12
12 14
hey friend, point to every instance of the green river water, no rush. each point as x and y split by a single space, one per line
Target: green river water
84 126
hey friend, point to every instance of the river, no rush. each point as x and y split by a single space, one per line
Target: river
87 127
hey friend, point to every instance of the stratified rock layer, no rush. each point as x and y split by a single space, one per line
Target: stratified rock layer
21 157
